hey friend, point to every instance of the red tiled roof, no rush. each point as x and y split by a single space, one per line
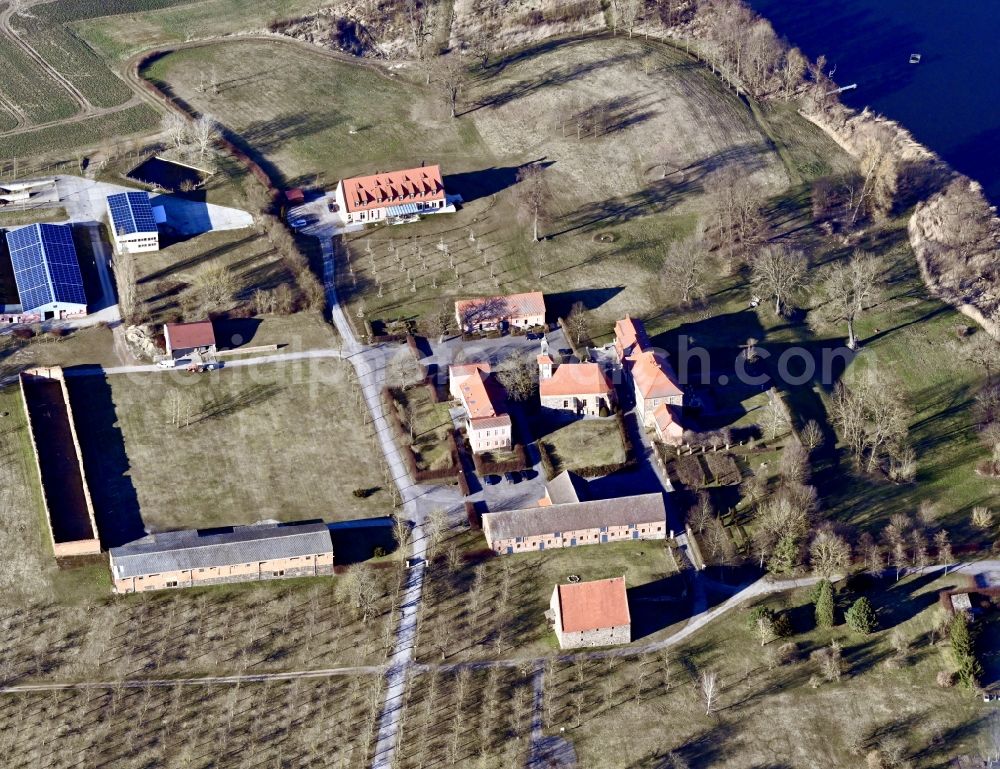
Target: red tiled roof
181 336
485 423
496 308
476 396
594 605
576 379
630 333
666 420
653 376
467 369
412 185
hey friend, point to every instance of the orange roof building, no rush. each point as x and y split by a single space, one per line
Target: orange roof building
393 194
630 337
488 425
489 312
582 388
667 424
591 613
654 377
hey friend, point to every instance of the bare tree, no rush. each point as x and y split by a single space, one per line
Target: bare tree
687 267
870 415
450 74
175 129
533 192
577 321
204 133
625 13
812 435
778 272
363 590
401 533
709 686
518 374
942 543
438 321
848 289
878 173
215 286
829 553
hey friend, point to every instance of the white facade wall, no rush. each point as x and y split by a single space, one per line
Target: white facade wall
597 536
489 438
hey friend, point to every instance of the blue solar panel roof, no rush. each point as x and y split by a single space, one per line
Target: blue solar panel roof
46 269
131 213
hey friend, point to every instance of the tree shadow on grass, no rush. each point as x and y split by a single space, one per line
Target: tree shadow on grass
105 460
232 403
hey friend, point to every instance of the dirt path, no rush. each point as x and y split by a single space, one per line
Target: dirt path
7 30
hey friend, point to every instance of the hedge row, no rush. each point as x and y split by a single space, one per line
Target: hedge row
419 476
473 517
594 471
520 462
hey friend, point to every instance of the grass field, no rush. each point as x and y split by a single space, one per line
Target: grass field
64 139
523 113
166 275
298 117
431 424
181 20
282 441
461 622
772 715
585 443
35 95
274 724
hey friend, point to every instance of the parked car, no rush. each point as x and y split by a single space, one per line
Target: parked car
534 336
529 474
514 477
491 480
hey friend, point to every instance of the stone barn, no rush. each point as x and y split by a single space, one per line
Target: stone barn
591 613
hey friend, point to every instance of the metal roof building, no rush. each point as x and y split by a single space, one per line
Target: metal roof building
192 549
133 225
46 271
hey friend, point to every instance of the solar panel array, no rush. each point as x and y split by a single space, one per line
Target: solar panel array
131 213
46 269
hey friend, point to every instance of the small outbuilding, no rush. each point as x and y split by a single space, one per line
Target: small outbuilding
591 613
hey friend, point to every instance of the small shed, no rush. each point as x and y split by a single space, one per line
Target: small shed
295 196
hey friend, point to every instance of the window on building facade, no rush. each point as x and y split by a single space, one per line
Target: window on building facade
172 583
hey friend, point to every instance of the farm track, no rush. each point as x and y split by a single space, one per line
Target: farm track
15 112
6 29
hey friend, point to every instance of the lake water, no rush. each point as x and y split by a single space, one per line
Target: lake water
950 101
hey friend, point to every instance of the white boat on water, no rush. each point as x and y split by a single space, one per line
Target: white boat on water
914 58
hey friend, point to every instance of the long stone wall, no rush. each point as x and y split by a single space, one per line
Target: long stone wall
69 509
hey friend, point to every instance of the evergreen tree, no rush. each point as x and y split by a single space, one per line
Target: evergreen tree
823 599
861 617
785 556
963 651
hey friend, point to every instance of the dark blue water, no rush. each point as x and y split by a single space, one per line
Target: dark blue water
949 102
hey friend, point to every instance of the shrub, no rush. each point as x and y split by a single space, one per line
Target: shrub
945 679
378 552
963 651
982 517
823 600
861 617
